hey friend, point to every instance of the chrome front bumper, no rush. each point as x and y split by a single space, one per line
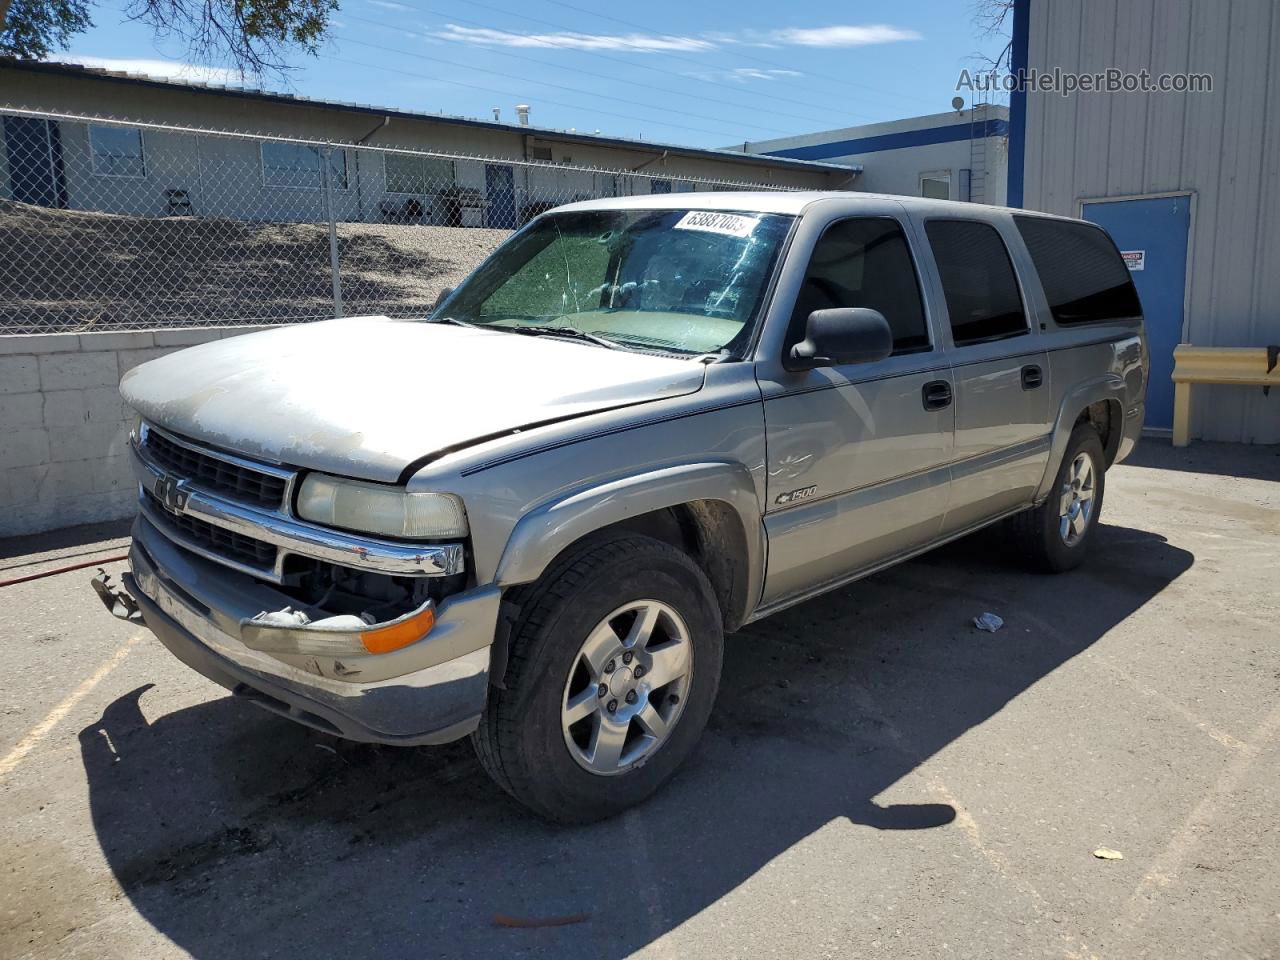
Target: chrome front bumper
278 528
432 691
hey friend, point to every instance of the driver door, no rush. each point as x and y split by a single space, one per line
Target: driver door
857 454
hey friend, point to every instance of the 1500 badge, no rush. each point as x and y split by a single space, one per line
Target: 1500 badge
791 496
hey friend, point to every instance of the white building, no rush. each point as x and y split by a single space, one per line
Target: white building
149 172
961 155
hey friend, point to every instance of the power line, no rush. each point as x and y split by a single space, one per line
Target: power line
558 86
757 94
603 76
745 56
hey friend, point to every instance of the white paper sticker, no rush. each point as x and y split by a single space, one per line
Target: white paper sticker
730 224
1134 259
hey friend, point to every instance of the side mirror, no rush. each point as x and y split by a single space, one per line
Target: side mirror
444 294
842 335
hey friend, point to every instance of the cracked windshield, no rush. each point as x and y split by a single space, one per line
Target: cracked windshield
668 281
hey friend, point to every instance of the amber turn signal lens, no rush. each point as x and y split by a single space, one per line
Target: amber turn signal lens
400 634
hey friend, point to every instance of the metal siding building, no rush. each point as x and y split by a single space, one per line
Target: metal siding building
1210 161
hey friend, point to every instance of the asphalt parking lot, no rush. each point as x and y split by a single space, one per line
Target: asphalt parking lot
879 777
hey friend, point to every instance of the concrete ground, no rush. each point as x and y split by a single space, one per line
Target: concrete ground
879 778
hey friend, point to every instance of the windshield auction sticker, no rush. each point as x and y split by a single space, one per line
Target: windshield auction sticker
730 224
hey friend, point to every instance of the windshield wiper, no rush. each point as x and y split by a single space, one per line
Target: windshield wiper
457 323
569 333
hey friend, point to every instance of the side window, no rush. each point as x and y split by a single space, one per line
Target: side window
864 263
117 151
978 281
1084 279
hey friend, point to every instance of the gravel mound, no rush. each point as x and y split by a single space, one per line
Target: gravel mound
72 270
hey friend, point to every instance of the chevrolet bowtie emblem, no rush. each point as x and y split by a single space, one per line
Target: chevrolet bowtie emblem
169 492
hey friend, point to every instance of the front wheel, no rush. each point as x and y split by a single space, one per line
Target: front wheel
613 669
1055 536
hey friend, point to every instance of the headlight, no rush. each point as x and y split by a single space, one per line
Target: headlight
380 508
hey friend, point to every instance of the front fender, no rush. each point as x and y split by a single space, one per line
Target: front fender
544 532
1110 387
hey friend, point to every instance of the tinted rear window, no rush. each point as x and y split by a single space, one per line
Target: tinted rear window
1084 279
978 281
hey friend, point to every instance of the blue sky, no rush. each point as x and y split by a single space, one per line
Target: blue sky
675 72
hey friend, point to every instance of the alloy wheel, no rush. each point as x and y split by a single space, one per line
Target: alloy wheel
1075 506
627 687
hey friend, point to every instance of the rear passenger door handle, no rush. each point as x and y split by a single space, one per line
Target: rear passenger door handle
936 395
1032 377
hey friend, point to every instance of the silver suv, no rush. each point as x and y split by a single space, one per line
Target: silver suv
641 424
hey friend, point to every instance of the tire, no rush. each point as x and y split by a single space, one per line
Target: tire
529 742
1041 534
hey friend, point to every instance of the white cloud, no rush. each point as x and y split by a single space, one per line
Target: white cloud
753 73
390 5
842 36
742 74
837 35
160 69
625 43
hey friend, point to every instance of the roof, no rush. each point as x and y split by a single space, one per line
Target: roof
545 133
756 201
794 202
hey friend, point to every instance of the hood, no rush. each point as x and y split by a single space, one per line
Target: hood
367 396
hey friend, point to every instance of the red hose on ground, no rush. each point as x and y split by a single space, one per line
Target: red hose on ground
74 566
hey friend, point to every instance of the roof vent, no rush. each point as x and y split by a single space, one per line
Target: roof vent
522 111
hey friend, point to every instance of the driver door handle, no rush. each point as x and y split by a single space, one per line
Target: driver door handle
936 395
1032 377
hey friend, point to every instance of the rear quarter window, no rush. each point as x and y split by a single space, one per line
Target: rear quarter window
1084 278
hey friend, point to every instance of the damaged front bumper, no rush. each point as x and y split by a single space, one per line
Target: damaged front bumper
430 691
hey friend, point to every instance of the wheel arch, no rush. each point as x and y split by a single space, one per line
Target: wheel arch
1099 401
709 510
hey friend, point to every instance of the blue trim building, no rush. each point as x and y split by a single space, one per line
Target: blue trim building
959 155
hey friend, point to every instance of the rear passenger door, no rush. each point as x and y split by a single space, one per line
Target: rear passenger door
857 462
1000 370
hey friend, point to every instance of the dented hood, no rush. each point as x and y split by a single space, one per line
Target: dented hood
367 396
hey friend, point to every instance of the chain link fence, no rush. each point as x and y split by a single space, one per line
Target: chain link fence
120 225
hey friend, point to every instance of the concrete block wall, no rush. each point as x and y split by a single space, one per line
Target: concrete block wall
64 430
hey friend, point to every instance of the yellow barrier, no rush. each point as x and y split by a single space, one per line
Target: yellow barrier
1242 366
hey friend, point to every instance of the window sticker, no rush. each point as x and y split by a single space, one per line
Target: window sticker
729 224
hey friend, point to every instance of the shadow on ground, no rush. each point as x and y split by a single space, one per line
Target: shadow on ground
1249 461
234 832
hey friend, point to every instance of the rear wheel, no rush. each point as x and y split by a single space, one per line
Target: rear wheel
613 670
1055 536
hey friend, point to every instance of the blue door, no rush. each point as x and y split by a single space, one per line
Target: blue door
1152 234
500 196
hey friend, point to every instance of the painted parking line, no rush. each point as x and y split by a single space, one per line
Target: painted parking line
1170 862
55 716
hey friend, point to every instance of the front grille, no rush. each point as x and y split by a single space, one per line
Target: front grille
224 543
215 474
